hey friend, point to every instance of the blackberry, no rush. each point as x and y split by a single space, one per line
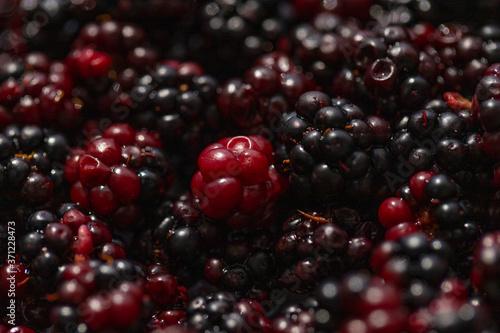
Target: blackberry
413 257
308 315
331 148
181 238
390 69
245 264
227 312
34 25
178 100
53 239
256 101
117 173
315 247
485 109
444 141
31 169
346 304
37 91
435 205
244 28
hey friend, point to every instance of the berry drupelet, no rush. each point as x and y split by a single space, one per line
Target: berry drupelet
118 173
330 148
31 169
237 182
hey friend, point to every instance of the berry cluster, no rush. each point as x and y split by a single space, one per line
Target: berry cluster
260 166
331 148
31 166
115 173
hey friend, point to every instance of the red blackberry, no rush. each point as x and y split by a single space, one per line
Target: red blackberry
330 149
118 295
31 169
126 42
237 182
119 172
36 91
314 247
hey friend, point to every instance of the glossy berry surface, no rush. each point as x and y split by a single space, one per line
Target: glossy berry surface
117 171
237 181
249 166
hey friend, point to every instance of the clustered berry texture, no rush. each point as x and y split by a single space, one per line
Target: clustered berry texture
31 169
434 204
249 166
330 148
237 181
486 108
116 172
37 91
313 248
268 89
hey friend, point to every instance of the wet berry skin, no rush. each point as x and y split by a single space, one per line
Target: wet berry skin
237 181
119 171
393 211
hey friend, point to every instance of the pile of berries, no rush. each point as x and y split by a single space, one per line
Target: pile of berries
249 166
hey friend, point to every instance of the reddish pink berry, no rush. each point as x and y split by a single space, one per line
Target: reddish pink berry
393 211
236 180
418 182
